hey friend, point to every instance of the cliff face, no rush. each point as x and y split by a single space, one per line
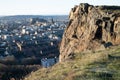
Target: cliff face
90 28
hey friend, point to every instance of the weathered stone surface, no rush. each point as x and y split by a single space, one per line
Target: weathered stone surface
90 28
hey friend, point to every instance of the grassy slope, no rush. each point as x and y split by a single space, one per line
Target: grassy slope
100 65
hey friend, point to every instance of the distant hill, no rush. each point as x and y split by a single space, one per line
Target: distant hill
35 16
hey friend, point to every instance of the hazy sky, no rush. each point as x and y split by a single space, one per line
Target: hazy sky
45 7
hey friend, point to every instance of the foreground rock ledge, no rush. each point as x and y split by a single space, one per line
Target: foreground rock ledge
90 28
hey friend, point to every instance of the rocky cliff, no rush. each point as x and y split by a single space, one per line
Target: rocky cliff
90 28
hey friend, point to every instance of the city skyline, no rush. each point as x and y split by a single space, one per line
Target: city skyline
45 7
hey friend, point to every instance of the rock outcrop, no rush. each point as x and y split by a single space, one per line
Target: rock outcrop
90 28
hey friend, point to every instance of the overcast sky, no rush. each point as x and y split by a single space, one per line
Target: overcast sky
46 7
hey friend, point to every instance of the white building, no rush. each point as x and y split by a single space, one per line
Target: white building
48 62
23 31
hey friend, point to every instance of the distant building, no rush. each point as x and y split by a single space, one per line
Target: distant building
23 31
48 62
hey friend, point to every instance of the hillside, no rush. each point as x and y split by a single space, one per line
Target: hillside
90 47
99 65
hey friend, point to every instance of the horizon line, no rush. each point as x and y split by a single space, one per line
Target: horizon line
35 15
